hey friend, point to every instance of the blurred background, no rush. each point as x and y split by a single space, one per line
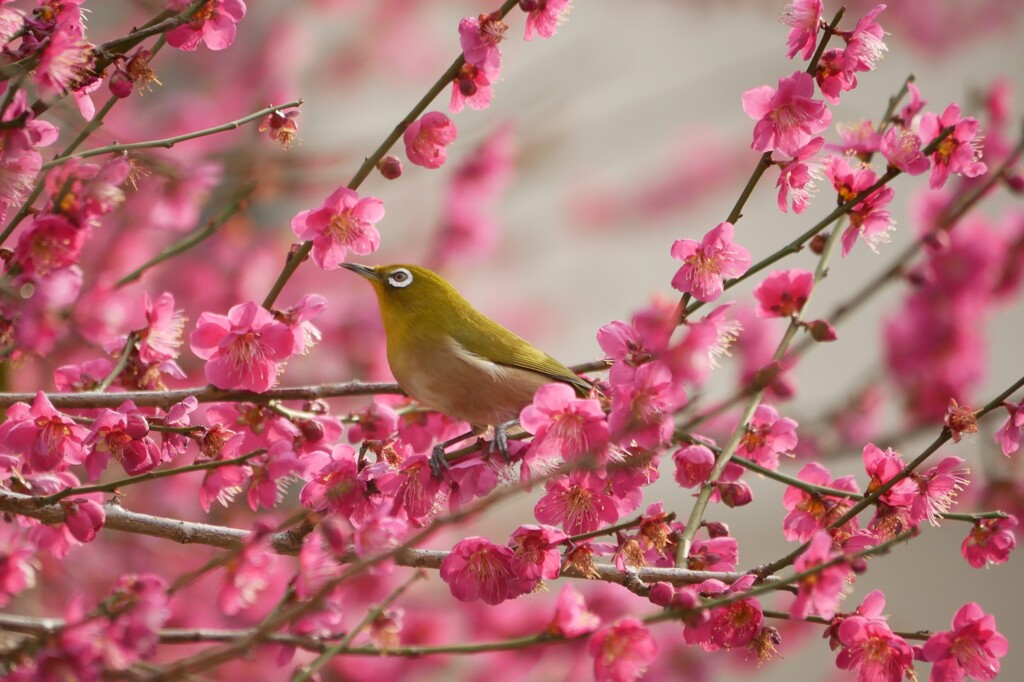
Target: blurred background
619 135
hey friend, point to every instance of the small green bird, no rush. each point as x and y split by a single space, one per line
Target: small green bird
450 357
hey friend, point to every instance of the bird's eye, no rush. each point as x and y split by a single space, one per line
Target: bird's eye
400 278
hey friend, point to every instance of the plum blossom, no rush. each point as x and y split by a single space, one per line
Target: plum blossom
51 243
869 646
787 118
767 436
693 465
564 425
902 149
343 223
426 138
42 437
869 218
810 512
729 626
783 293
819 594
578 502
160 340
244 349
18 566
1009 434
572 618
479 37
971 649
65 60
479 569
959 153
642 410
248 574
937 488
990 542
796 177
864 45
622 651
543 16
804 19
706 264
214 23
537 554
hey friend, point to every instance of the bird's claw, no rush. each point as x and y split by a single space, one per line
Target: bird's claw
500 441
439 461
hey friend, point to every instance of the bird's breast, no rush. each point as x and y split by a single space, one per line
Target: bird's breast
444 376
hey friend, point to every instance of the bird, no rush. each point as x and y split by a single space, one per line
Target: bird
450 357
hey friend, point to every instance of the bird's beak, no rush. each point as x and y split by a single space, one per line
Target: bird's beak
362 270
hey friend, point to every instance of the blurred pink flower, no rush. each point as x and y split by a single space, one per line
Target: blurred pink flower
1009 434
572 618
622 651
479 37
642 409
50 243
161 339
819 593
544 16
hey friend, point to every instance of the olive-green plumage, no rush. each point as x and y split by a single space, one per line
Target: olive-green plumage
449 356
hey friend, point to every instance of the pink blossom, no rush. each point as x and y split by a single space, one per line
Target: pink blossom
820 593
426 139
472 86
910 111
161 338
42 437
796 178
869 218
244 349
882 467
479 37
333 483
706 264
470 479
864 45
376 422
783 293
537 552
269 474
414 489
476 568
124 435
1009 434
84 516
713 554
972 648
787 119
622 651
937 488
65 60
693 465
767 436
343 223
642 410
990 542
869 647
18 567
959 152
810 512
730 626
19 168
833 75
572 618
82 377
564 425
545 18
213 23
578 502
299 320
51 243
902 149
804 19
628 348
248 574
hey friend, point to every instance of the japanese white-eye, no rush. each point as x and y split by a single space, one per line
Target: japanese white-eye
450 357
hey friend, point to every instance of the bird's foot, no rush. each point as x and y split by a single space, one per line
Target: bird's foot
499 443
439 461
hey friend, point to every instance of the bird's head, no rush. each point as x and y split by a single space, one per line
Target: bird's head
409 289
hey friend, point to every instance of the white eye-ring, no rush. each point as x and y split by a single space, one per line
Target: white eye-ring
400 278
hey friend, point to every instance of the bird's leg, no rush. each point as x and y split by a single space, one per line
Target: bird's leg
500 441
439 460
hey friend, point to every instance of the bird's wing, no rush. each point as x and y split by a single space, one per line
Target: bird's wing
501 346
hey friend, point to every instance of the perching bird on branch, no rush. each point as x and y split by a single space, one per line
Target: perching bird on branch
450 357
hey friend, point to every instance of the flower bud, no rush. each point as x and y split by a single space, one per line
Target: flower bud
137 427
390 167
662 594
821 330
529 5
312 430
817 244
120 84
716 529
735 494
